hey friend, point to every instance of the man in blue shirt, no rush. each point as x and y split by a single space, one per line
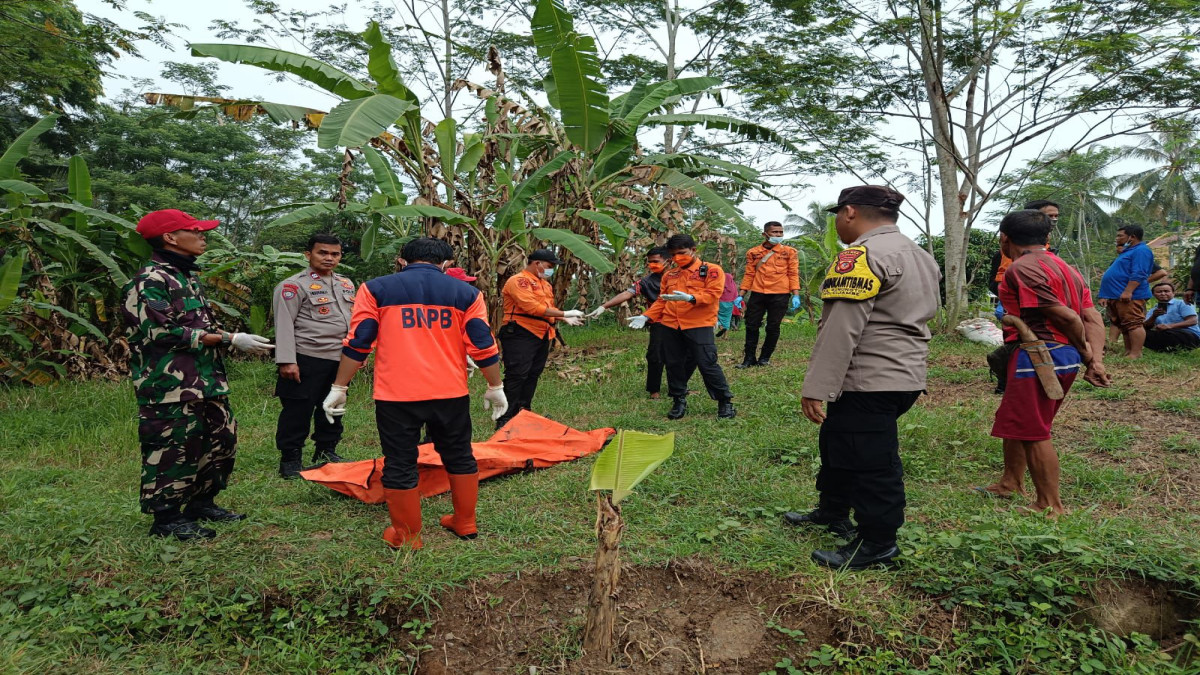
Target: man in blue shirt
1172 324
1125 289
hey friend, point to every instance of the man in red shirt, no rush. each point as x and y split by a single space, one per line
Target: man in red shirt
528 330
422 325
1051 297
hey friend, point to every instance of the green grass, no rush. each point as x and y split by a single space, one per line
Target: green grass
306 585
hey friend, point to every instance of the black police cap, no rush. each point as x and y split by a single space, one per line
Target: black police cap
544 255
869 195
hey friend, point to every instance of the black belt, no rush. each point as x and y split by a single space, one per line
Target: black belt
557 333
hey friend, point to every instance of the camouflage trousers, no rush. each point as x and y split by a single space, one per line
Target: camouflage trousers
187 451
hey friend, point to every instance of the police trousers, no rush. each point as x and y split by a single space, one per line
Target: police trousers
524 355
301 403
774 306
449 423
685 351
187 451
654 358
860 461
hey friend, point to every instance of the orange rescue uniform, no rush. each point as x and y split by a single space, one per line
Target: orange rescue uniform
778 274
707 291
422 325
526 298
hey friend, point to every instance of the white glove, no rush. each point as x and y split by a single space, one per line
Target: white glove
495 400
573 321
638 322
251 344
595 313
471 367
335 402
679 296
573 314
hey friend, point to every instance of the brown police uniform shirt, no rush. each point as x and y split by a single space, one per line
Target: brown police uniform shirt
879 295
312 316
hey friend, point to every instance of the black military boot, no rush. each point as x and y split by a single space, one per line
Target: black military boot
679 409
841 526
203 508
171 523
725 410
291 463
325 455
748 361
764 361
859 554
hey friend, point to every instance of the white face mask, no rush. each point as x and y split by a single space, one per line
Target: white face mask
549 272
775 240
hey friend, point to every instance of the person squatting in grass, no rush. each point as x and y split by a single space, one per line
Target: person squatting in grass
312 316
869 364
687 310
770 285
422 325
185 426
529 316
647 287
1172 324
1052 298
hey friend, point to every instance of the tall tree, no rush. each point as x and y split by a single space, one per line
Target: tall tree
1169 191
974 82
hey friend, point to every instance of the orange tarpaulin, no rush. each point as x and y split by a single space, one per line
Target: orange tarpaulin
528 441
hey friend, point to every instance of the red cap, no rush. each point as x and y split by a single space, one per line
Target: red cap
460 274
158 223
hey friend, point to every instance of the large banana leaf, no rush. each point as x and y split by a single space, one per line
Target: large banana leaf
319 73
744 128
385 178
551 24
352 123
526 191
711 200
89 212
698 165
473 148
582 98
72 316
313 211
426 211
383 68
21 187
10 279
79 181
446 135
114 270
628 460
613 230
578 245
18 149
658 94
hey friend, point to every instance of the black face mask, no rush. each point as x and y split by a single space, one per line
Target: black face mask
184 263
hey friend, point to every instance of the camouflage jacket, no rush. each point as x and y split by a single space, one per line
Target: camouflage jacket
166 314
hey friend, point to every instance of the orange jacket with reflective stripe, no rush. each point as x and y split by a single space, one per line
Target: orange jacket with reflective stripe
422 325
707 291
526 293
778 274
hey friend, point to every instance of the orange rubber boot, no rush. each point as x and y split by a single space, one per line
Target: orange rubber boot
404 508
464 493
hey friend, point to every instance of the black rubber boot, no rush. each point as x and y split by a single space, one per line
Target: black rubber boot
841 526
170 523
748 362
764 361
324 455
725 410
290 469
203 508
858 555
679 409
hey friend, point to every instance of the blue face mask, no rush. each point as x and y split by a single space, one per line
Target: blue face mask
775 240
548 273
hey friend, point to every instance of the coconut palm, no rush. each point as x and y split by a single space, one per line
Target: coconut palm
1169 191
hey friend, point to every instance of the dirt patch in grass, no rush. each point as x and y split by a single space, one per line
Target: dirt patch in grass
686 617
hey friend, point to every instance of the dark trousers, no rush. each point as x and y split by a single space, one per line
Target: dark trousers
449 423
654 358
1180 339
686 350
860 461
774 306
188 451
998 363
524 356
302 408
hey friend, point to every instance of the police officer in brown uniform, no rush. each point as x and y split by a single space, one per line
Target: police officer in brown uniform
312 317
868 364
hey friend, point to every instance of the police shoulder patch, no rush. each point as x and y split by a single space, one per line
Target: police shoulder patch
850 277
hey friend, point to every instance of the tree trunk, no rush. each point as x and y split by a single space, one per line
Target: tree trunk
598 637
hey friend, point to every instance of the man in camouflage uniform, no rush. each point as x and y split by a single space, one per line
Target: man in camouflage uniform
312 317
185 427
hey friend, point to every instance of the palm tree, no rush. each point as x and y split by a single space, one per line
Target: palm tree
812 224
1169 191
